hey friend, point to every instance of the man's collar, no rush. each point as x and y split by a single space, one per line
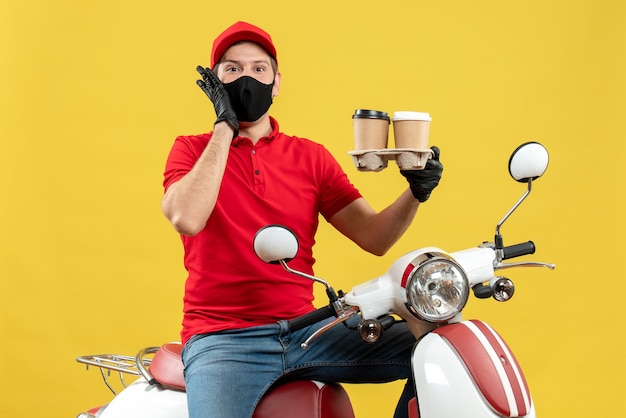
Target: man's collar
240 140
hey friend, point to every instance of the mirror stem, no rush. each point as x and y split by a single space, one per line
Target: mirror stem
498 239
330 292
329 289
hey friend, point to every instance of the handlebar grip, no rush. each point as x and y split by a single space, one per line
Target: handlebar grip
518 250
311 318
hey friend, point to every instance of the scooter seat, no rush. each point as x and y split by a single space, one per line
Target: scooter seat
167 367
301 398
305 399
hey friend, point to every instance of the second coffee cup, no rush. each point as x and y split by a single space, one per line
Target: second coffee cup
371 129
411 129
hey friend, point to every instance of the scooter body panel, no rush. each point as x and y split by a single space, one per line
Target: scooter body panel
466 369
141 400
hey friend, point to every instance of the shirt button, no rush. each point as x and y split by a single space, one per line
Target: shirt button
257 172
253 151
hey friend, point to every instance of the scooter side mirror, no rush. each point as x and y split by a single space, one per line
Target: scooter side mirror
528 162
274 243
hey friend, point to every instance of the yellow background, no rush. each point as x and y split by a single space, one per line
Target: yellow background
93 93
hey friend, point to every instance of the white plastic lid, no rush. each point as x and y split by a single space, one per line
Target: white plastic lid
407 115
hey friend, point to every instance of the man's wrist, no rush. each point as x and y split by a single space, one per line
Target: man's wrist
223 127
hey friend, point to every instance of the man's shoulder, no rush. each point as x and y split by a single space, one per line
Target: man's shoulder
203 137
196 142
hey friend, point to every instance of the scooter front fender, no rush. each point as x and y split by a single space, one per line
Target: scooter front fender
466 369
141 400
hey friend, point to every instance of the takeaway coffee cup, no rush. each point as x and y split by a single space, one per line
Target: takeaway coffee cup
411 129
371 129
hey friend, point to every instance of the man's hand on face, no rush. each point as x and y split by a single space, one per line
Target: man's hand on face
422 182
216 92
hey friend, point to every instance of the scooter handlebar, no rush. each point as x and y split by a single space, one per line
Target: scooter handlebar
518 250
311 318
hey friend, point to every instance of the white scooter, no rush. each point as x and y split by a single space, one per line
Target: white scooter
460 368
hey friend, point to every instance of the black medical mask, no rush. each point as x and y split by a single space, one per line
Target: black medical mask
250 98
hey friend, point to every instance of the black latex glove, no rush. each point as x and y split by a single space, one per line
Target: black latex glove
422 182
214 89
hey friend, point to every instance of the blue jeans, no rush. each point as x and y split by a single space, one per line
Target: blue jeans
227 373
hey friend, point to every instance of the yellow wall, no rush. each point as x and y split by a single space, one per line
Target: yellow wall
93 93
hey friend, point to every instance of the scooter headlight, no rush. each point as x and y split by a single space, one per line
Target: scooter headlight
436 287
